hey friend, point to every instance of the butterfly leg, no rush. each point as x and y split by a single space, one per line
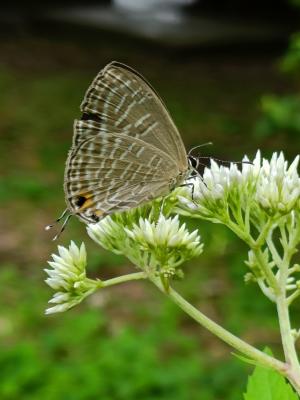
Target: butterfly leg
192 191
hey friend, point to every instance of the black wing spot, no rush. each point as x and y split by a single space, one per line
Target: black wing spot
95 218
91 117
80 201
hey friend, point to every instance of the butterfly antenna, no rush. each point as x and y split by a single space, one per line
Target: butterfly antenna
225 161
200 145
63 227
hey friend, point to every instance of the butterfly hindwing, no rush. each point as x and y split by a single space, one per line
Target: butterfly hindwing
103 168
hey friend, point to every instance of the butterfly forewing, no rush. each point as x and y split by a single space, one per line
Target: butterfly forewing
122 99
126 149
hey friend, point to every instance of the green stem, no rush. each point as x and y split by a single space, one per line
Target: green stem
265 232
283 235
294 268
293 296
270 277
286 335
232 340
255 245
238 216
245 236
276 257
288 342
123 278
266 290
247 218
283 302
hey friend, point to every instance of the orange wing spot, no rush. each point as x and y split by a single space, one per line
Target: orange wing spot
87 203
84 194
98 213
83 200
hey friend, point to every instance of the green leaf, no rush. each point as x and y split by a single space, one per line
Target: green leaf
266 384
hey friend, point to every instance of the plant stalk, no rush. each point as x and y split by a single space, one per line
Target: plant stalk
123 278
288 342
232 340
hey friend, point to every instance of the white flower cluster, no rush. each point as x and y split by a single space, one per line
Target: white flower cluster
278 187
167 232
145 242
154 245
68 278
269 185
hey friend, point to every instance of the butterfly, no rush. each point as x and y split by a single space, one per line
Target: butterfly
126 148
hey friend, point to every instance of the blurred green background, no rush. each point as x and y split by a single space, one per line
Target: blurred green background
238 89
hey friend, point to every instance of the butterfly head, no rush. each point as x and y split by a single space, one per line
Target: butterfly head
193 162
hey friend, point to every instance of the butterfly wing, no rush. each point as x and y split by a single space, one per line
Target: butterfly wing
120 99
108 172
